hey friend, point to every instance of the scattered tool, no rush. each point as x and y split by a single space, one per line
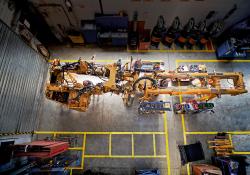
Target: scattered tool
221 145
154 107
192 106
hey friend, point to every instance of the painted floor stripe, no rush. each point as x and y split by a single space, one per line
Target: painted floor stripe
212 61
84 156
83 151
171 51
102 61
76 148
73 168
183 124
216 132
98 133
126 156
132 146
110 144
241 153
167 142
154 144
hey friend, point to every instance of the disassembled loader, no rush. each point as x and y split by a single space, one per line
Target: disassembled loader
132 79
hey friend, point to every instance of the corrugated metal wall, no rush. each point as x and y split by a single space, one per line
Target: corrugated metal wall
22 75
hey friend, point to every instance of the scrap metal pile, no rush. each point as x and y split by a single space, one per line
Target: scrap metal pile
141 79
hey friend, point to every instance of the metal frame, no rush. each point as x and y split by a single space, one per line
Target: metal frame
84 142
185 132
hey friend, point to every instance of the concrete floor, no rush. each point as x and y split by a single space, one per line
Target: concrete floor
108 114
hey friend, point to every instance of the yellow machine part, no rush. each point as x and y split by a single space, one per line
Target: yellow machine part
76 39
209 85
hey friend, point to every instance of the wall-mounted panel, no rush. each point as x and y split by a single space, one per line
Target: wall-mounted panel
22 75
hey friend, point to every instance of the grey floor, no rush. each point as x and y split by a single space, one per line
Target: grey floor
108 114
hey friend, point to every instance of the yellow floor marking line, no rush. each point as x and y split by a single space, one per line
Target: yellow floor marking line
230 133
182 115
201 133
184 136
183 124
230 139
172 51
98 133
84 134
102 61
70 171
83 150
216 132
73 168
167 142
76 148
237 152
213 61
59 132
241 153
183 127
239 132
75 60
110 144
126 156
132 146
183 121
154 145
